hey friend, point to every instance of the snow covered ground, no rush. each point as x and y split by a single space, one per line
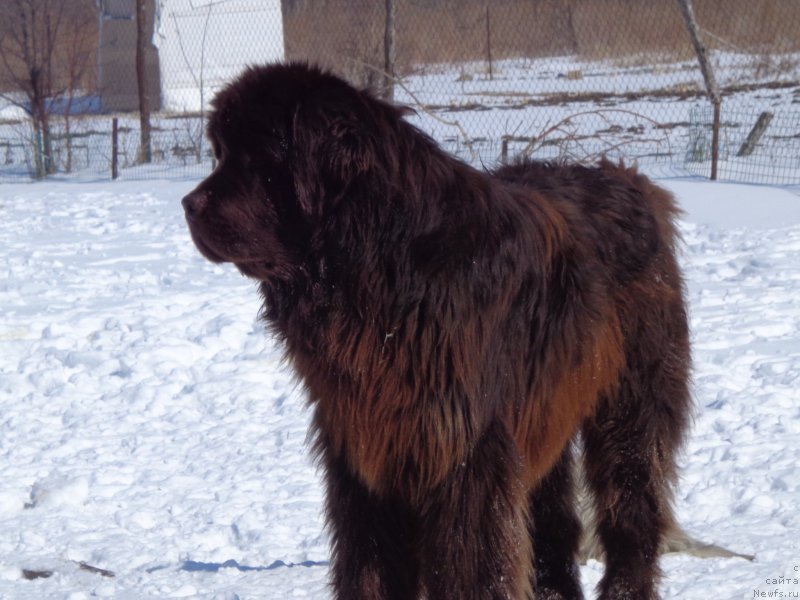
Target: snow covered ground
148 427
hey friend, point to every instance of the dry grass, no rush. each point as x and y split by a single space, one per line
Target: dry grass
347 35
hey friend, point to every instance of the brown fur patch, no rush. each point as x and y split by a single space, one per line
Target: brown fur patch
544 431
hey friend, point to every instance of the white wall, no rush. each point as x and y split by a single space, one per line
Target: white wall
210 42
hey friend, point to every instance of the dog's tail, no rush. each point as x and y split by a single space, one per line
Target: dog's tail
675 538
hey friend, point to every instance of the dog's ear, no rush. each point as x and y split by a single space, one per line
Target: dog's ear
331 149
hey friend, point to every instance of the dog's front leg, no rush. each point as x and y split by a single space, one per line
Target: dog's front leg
373 539
475 536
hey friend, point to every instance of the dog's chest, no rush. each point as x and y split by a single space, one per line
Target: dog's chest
394 439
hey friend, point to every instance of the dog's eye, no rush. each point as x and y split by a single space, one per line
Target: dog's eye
277 145
283 145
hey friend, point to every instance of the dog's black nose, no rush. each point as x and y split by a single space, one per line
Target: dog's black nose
194 203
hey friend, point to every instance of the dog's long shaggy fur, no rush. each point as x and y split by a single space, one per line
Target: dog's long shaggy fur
456 331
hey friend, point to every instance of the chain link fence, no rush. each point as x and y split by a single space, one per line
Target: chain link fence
489 79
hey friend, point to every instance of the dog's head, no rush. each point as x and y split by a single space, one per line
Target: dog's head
290 141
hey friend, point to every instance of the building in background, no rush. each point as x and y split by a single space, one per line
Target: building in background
202 44
116 64
196 46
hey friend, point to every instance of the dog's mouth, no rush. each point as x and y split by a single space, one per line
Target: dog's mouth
206 250
256 268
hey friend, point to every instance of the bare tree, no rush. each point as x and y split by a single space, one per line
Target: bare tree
33 72
199 80
145 148
27 45
78 51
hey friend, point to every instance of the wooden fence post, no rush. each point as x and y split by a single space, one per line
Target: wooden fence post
389 50
708 76
489 43
114 148
764 119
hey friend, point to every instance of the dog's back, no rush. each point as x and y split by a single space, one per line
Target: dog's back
630 218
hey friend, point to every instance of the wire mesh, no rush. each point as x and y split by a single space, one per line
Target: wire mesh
554 79
759 147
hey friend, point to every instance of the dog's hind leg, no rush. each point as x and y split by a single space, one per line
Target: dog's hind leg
556 530
630 449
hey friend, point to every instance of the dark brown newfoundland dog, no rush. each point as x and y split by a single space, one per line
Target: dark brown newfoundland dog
457 331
